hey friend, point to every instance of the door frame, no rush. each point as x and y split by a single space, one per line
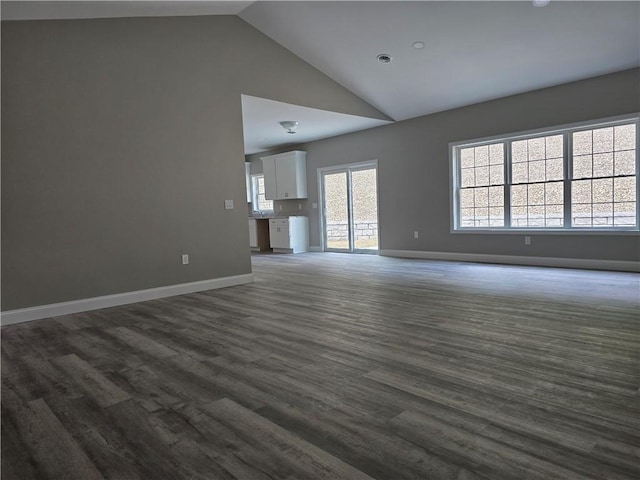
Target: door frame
368 164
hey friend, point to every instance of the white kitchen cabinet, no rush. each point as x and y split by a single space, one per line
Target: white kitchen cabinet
285 175
289 235
253 233
247 179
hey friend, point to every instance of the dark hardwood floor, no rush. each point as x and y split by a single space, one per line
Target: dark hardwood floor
336 367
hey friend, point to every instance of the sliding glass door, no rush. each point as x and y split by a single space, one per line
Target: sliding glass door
350 208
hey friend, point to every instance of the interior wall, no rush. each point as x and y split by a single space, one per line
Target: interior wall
413 169
121 139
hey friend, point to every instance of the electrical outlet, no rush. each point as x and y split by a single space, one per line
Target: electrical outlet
185 259
415 234
314 205
299 206
228 204
280 209
527 240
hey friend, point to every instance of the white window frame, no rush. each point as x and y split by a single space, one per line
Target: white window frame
254 194
567 130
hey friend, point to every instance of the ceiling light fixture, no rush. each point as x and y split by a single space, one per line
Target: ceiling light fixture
290 125
418 45
384 58
540 3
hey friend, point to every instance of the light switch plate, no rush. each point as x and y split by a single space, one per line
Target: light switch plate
228 204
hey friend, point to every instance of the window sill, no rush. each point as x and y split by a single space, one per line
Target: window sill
549 231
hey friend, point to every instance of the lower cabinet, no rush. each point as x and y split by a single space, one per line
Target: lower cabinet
289 235
253 233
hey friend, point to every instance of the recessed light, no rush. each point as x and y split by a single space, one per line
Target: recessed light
384 58
418 45
540 3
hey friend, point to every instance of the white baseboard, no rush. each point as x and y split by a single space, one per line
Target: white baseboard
65 308
583 263
315 248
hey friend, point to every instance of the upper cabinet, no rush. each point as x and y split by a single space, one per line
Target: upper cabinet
285 175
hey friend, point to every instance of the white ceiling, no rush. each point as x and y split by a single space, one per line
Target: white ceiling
59 9
262 131
474 51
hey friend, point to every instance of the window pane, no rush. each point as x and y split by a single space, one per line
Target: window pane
466 217
481 217
625 137
481 197
535 216
582 166
496 174
603 140
602 214
624 189
554 146
536 148
625 163
496 196
468 179
582 143
554 169
536 194
519 173
496 216
602 190
554 194
581 191
536 171
554 216
482 175
624 214
603 165
466 158
466 198
482 156
496 154
581 215
519 195
519 151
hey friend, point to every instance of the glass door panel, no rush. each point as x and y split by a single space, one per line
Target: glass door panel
336 211
364 209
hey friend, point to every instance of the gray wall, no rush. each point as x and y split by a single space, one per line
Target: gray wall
413 169
121 139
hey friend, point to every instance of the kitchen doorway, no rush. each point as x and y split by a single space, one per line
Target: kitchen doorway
349 202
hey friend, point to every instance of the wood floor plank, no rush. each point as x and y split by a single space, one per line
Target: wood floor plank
477 452
55 451
94 384
310 461
338 366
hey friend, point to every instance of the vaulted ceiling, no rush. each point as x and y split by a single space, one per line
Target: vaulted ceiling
471 51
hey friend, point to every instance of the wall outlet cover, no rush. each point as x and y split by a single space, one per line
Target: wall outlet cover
228 204
185 259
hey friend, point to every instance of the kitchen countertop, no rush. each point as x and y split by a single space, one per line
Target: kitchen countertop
267 217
